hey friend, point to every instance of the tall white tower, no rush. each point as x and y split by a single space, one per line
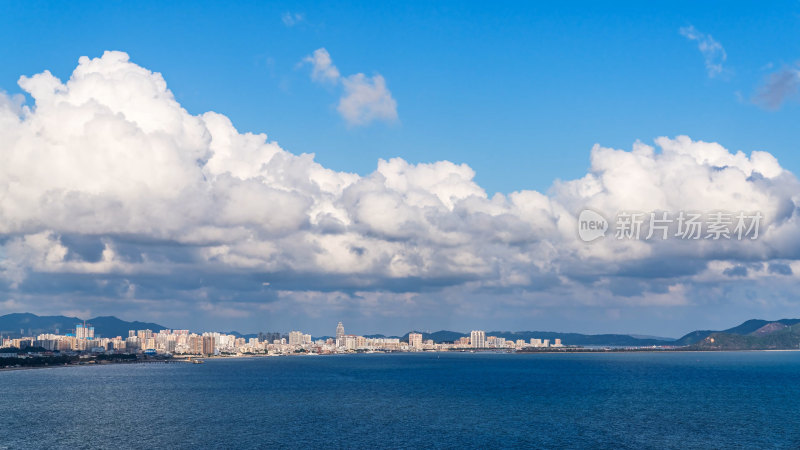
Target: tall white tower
340 335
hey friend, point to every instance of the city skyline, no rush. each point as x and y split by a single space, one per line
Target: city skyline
168 342
288 170
85 330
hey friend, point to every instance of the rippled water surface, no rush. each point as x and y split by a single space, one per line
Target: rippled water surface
623 400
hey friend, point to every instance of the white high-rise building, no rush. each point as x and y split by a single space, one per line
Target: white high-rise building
83 331
340 335
415 340
477 339
495 342
350 341
295 338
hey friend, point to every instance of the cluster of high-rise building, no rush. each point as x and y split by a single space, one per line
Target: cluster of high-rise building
183 342
478 339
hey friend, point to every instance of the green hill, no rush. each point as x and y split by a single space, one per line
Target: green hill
744 328
782 338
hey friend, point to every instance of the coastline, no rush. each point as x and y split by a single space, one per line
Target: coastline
189 360
95 364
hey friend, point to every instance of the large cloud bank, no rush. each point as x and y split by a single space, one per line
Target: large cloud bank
108 186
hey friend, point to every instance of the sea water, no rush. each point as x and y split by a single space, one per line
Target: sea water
413 400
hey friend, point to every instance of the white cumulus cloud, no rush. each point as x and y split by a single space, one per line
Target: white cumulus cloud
364 99
106 182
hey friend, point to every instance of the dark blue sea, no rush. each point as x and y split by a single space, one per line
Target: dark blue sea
428 400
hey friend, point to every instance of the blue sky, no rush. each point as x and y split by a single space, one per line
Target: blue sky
113 200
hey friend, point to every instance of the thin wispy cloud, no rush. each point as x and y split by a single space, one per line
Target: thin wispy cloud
713 53
364 99
291 19
778 88
322 68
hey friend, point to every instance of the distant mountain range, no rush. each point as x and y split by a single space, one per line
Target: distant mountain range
105 326
753 334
